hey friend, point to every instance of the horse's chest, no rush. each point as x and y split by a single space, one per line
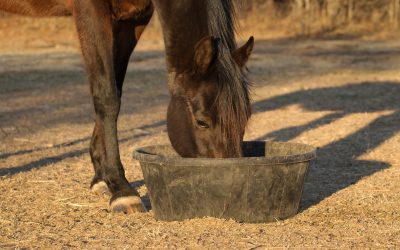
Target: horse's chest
126 9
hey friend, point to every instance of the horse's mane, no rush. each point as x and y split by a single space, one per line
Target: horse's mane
233 99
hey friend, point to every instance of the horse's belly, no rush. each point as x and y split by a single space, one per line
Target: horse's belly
127 9
37 7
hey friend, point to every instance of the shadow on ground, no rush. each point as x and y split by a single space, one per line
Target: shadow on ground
337 166
41 91
53 89
277 61
74 153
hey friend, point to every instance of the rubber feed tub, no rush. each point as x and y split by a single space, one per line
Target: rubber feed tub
263 186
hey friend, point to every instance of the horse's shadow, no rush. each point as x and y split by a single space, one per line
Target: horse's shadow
337 166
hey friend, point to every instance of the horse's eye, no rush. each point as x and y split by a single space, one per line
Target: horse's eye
202 124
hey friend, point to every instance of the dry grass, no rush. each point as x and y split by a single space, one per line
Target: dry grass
340 95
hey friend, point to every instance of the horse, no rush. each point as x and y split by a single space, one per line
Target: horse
206 74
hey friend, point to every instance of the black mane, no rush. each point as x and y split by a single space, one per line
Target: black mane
233 99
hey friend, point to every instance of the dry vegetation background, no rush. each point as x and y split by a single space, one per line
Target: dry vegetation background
266 19
319 17
325 73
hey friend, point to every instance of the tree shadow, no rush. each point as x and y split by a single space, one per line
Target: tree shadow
337 166
37 149
78 141
35 97
43 162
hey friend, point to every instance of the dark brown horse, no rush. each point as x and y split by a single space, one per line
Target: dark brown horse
209 105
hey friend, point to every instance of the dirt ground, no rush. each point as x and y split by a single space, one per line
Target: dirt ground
340 95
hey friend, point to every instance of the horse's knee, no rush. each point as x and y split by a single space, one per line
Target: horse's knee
106 102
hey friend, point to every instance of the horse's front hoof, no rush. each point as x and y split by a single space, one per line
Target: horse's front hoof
128 205
100 188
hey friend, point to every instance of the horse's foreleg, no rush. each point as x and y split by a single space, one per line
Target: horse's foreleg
126 35
106 47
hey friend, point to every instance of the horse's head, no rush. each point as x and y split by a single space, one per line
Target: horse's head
210 105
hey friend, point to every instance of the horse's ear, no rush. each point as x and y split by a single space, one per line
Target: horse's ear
242 54
205 53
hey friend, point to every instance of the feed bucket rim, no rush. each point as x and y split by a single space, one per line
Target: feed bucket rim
143 155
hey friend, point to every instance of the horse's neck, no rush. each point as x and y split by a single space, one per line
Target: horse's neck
184 23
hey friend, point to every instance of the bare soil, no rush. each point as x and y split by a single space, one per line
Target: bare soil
339 94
